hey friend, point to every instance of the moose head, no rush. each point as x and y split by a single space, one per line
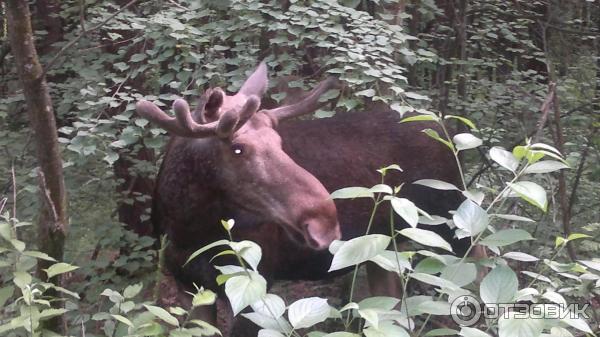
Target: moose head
252 173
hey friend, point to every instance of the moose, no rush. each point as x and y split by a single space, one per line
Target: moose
273 174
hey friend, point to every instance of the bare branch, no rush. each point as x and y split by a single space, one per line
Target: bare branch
45 192
579 171
545 109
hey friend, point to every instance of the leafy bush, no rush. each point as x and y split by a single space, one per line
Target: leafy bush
451 277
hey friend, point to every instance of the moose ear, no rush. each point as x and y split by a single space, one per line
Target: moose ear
257 83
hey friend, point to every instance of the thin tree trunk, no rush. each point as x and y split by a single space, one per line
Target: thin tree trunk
461 52
52 221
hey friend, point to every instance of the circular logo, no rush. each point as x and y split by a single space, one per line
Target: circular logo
465 310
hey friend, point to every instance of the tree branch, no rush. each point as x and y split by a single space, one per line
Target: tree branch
579 171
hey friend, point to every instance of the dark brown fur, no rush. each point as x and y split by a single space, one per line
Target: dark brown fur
342 151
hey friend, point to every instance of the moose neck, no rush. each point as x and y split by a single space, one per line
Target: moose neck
188 173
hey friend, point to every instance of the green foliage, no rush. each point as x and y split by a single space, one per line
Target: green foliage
26 302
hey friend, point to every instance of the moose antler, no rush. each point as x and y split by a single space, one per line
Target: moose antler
185 126
307 105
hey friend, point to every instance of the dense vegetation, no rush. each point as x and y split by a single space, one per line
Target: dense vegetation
509 75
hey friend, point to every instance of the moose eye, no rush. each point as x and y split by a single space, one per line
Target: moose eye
237 149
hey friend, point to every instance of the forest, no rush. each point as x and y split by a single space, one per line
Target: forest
300 168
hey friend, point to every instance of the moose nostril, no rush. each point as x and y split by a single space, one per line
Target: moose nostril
310 241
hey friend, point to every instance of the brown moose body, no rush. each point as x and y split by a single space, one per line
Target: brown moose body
229 160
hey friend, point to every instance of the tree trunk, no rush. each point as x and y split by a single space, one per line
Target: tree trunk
52 221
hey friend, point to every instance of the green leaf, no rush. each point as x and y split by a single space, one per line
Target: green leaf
51 312
513 217
384 170
401 109
379 302
333 93
338 334
577 323
499 286
545 166
466 121
307 312
545 147
5 294
359 250
466 141
269 333
381 188
520 257
39 255
519 327
472 332
537 276
520 151
18 244
416 96
425 237
204 297
389 260
385 329
504 158
59 268
506 237
370 316
205 248
137 57
366 93
591 264
555 297
557 331
228 225
352 192
268 322
437 184
5 231
559 241
429 265
435 135
441 332
474 195
162 314
249 251
434 307
208 328
121 66
577 236
123 320
113 296
244 290
179 311
434 281
270 305
471 218
530 192
132 290
460 274
420 118
406 209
